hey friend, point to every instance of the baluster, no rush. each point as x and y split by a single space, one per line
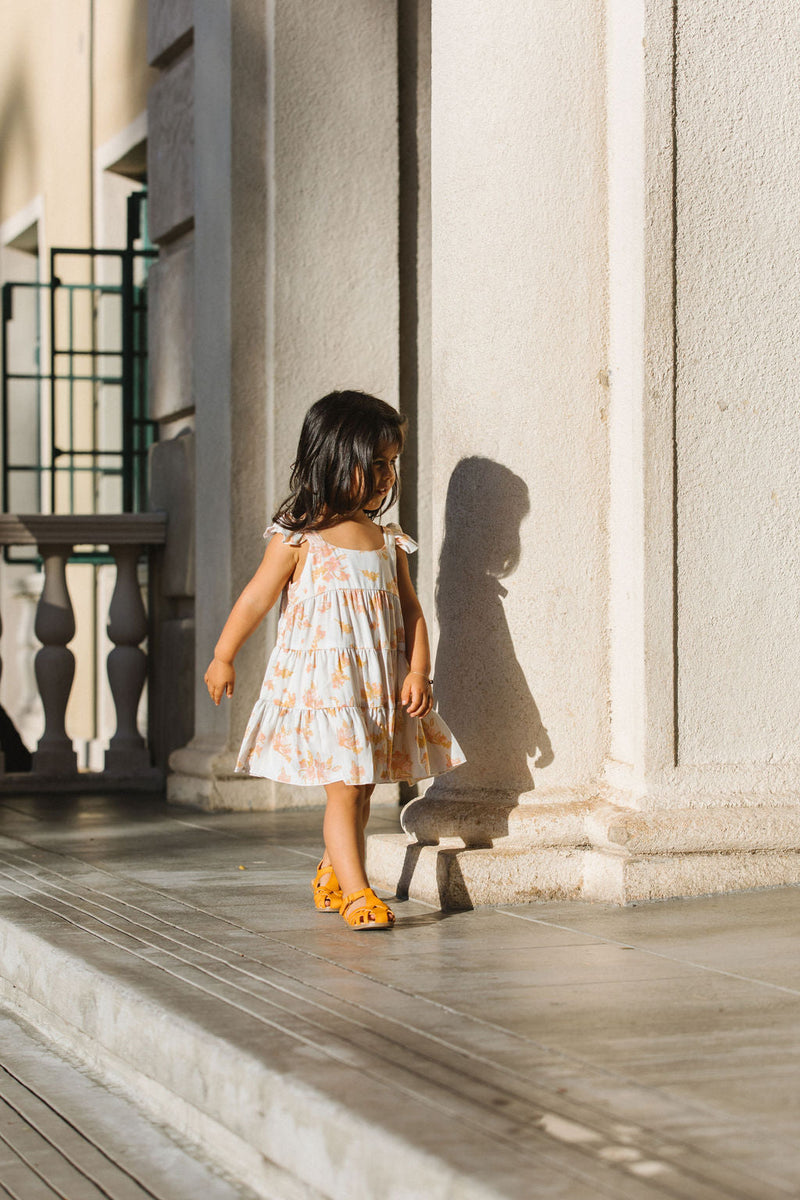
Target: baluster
127 665
30 720
55 664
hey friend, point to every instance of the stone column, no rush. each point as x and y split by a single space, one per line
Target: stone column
705 548
295 295
197 764
171 366
520 457
619 490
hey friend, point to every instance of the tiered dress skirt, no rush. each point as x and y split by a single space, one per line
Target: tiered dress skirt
329 707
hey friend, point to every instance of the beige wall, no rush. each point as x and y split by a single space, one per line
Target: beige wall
121 73
49 126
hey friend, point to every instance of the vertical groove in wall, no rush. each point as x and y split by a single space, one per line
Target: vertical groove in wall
249 367
248 134
674 148
413 107
269 281
408 231
212 343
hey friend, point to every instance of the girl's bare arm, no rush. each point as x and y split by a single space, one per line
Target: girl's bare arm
276 568
415 694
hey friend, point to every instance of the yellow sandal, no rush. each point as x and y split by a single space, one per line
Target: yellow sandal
327 893
373 914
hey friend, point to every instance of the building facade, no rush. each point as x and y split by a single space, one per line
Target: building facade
73 149
560 235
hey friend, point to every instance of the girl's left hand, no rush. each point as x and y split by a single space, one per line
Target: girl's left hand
416 694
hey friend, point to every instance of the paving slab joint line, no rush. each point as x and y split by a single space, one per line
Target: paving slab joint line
631 945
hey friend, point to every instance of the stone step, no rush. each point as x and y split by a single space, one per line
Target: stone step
64 1134
296 1068
294 1093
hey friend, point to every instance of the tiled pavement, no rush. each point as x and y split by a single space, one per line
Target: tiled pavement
552 1050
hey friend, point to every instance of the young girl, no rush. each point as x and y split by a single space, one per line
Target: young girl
347 700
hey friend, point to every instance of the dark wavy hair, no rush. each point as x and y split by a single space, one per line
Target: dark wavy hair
342 435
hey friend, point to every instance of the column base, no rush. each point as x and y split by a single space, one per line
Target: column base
581 850
623 879
453 878
203 776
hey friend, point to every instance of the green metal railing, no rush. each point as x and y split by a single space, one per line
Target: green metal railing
93 428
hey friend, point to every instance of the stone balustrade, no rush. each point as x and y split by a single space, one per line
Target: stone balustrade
128 536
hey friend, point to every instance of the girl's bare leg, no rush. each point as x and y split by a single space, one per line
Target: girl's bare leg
344 834
363 817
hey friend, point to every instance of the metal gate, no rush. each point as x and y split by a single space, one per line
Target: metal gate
75 436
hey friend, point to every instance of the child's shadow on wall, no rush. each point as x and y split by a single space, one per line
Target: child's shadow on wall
481 688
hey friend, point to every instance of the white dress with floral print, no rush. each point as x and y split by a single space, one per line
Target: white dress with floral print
329 707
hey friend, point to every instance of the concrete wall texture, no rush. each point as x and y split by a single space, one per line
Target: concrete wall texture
561 234
738 317
519 329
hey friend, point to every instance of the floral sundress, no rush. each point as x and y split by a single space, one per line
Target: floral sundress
329 707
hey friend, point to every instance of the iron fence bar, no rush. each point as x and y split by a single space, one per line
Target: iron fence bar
71 393
34 376
103 289
84 454
108 379
83 470
99 252
7 316
143 431
102 453
90 353
127 382
54 283
133 218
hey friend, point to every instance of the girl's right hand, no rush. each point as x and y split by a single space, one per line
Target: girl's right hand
219 679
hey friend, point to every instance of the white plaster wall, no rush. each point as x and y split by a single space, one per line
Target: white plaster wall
519 347
334 174
626 251
738 417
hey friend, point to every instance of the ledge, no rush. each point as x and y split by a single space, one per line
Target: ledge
90 529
